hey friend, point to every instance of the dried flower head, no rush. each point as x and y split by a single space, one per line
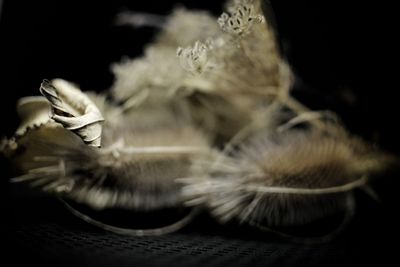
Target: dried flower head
135 168
203 84
241 19
194 59
283 179
244 70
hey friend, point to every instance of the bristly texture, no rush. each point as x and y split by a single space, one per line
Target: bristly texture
135 168
287 179
153 140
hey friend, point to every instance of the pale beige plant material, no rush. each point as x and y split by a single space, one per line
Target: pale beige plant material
233 59
285 177
242 59
203 119
136 166
74 110
34 111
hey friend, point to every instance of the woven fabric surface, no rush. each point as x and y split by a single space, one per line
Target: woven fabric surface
40 230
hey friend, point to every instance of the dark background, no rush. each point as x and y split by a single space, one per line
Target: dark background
342 52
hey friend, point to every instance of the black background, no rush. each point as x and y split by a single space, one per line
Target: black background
342 52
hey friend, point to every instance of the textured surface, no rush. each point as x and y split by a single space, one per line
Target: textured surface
40 229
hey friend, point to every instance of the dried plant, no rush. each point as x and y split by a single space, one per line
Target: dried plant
204 119
283 178
74 110
238 65
134 169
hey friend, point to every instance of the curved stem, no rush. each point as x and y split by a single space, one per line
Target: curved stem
156 150
310 191
134 232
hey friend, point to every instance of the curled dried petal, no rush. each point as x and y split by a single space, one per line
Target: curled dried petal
34 111
74 110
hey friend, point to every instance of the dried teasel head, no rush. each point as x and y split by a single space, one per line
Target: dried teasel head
143 152
140 178
202 74
286 179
